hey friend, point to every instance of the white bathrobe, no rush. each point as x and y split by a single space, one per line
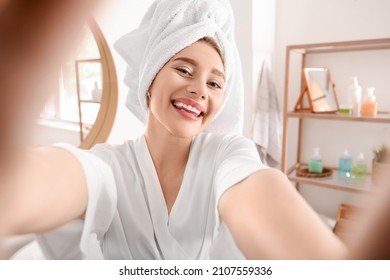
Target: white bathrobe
127 216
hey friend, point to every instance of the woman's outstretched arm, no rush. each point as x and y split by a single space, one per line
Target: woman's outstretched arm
270 220
371 240
44 189
40 188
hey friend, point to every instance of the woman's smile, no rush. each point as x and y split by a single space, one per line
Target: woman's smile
188 108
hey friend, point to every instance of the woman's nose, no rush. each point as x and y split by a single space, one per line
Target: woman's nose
199 89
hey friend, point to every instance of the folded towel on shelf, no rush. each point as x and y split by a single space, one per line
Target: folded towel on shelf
267 122
168 27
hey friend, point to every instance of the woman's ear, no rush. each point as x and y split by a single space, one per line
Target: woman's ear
148 93
148 96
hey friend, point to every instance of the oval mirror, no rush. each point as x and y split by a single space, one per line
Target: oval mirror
83 110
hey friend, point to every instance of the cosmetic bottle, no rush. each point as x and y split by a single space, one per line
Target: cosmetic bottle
369 105
355 96
315 164
345 109
359 169
345 163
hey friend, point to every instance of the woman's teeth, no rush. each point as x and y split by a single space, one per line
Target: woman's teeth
190 108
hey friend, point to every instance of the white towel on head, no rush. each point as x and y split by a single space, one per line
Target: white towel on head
168 27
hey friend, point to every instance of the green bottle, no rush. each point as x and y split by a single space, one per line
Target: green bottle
359 169
315 164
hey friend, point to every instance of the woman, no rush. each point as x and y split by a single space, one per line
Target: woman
179 191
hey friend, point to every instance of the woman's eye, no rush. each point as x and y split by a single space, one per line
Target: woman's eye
215 85
184 71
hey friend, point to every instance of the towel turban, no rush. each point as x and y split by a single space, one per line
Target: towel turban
168 27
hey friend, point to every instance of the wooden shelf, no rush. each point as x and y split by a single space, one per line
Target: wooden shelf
338 181
379 118
346 46
303 51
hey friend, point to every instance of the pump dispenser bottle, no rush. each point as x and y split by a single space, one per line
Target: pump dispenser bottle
369 105
345 163
359 169
315 164
355 96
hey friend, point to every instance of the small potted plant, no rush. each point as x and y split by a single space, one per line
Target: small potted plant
380 164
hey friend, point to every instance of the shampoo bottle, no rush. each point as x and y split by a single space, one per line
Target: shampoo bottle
315 164
345 163
359 169
369 105
355 95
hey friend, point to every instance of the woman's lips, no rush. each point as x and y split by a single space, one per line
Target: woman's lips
188 108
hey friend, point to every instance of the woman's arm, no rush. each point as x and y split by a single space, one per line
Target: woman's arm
270 220
372 240
44 189
41 188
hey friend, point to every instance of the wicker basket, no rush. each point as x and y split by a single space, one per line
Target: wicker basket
304 172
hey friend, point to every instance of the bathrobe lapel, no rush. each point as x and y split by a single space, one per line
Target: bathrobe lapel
168 245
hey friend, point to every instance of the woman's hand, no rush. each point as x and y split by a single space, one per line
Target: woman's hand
45 189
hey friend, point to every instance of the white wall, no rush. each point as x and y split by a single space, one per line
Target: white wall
314 21
116 18
243 34
255 36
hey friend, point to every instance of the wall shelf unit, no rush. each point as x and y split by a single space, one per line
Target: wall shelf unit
335 181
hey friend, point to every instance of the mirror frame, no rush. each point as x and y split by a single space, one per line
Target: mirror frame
109 102
310 94
299 106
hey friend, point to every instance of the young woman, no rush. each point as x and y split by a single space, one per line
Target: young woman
178 191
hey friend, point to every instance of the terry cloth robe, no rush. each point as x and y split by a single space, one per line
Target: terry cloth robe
127 217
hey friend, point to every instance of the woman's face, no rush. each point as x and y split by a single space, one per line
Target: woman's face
188 91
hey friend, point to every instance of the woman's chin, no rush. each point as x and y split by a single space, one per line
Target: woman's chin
185 132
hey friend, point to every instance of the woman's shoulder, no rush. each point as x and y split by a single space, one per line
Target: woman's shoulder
110 152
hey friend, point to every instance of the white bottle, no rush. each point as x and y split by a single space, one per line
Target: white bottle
355 95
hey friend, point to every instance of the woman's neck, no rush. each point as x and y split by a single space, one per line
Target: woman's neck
170 154
166 149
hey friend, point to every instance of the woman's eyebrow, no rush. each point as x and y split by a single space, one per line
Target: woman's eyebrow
193 62
187 59
218 73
